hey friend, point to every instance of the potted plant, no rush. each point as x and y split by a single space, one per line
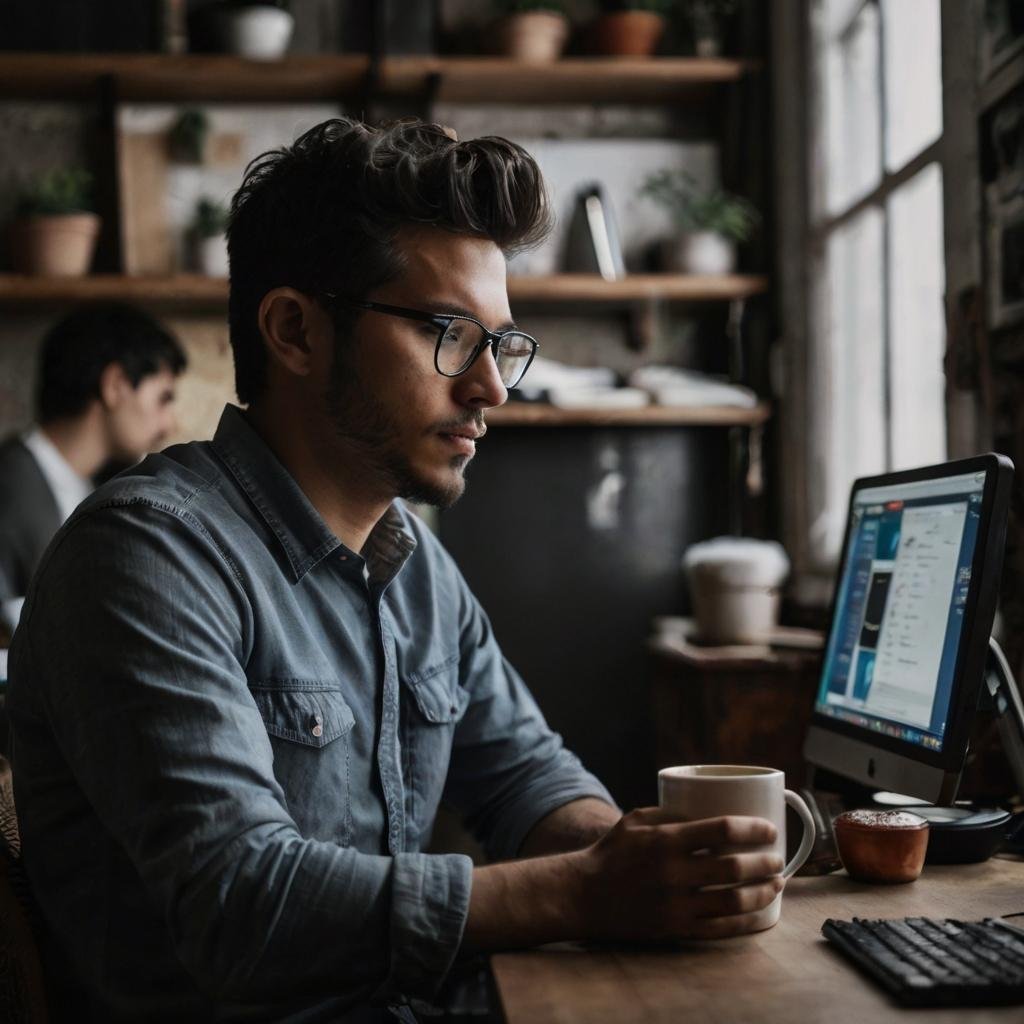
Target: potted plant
189 135
532 30
257 29
630 28
712 222
705 18
210 248
55 232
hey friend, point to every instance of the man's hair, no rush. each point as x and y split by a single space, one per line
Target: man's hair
79 347
323 215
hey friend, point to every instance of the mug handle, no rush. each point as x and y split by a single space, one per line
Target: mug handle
807 843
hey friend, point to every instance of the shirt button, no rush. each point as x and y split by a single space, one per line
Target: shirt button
317 725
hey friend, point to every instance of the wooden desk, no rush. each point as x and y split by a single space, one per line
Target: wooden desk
786 975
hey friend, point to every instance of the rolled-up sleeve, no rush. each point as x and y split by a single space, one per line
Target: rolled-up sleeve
140 681
508 768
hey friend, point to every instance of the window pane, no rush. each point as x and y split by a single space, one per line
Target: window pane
852 107
917 282
913 78
852 403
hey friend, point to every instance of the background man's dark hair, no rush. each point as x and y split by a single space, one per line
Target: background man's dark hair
79 347
323 214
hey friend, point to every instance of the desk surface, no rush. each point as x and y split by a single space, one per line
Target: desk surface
786 975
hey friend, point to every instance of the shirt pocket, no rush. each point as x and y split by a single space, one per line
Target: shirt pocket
433 705
309 723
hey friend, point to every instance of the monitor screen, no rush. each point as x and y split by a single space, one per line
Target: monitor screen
908 636
896 633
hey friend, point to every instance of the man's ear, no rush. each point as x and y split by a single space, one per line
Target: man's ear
114 385
290 322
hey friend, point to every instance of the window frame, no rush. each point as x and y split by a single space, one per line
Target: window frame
805 226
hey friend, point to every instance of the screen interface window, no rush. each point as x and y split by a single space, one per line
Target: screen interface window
892 650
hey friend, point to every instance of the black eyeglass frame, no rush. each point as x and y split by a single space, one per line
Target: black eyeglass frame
442 321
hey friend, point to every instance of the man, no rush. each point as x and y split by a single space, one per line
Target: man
231 742
104 392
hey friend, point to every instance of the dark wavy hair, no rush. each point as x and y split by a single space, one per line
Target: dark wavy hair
324 213
82 344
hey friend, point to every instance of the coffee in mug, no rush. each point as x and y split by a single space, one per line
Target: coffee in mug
693 792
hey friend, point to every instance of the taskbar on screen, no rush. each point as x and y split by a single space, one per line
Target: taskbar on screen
906 733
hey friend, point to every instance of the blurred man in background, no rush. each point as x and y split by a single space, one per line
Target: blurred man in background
104 394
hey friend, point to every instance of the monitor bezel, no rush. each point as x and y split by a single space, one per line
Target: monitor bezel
979 612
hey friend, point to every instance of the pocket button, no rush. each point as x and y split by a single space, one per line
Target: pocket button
317 725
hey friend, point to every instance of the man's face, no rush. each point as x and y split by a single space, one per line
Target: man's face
413 428
140 417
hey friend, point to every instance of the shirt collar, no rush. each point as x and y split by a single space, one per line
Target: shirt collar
289 514
68 488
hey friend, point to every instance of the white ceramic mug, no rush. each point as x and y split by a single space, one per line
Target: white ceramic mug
691 792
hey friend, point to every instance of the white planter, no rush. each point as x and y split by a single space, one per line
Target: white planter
212 256
708 46
703 252
258 32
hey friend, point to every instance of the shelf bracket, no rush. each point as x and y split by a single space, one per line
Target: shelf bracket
734 336
110 250
642 325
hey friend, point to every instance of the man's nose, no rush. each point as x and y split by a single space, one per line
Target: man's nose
480 386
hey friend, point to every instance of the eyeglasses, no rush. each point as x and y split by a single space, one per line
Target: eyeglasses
461 339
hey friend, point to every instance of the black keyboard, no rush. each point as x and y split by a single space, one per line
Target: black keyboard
930 962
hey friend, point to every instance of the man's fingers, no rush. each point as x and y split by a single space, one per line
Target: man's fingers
729 868
744 899
710 833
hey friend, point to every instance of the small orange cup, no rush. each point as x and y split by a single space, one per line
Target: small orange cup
881 846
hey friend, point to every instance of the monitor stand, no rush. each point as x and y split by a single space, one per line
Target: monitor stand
965 832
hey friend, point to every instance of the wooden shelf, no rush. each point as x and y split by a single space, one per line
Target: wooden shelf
570 80
213 77
635 288
160 77
529 414
194 290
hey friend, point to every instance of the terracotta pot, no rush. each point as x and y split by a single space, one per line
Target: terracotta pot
628 33
535 36
56 245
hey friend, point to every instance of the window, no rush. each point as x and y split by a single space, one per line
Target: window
876 326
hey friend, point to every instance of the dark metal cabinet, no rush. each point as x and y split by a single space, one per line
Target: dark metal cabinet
571 538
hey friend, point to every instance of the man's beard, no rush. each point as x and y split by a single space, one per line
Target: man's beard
361 420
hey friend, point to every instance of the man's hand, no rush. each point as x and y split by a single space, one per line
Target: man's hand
646 878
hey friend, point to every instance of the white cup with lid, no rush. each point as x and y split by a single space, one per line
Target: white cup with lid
735 586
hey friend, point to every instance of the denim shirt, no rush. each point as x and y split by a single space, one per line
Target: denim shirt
231 735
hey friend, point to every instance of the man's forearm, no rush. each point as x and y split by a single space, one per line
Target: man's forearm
521 903
570 827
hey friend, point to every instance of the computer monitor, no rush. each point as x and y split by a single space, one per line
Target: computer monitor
909 629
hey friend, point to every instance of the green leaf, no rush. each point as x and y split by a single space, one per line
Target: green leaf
59 191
